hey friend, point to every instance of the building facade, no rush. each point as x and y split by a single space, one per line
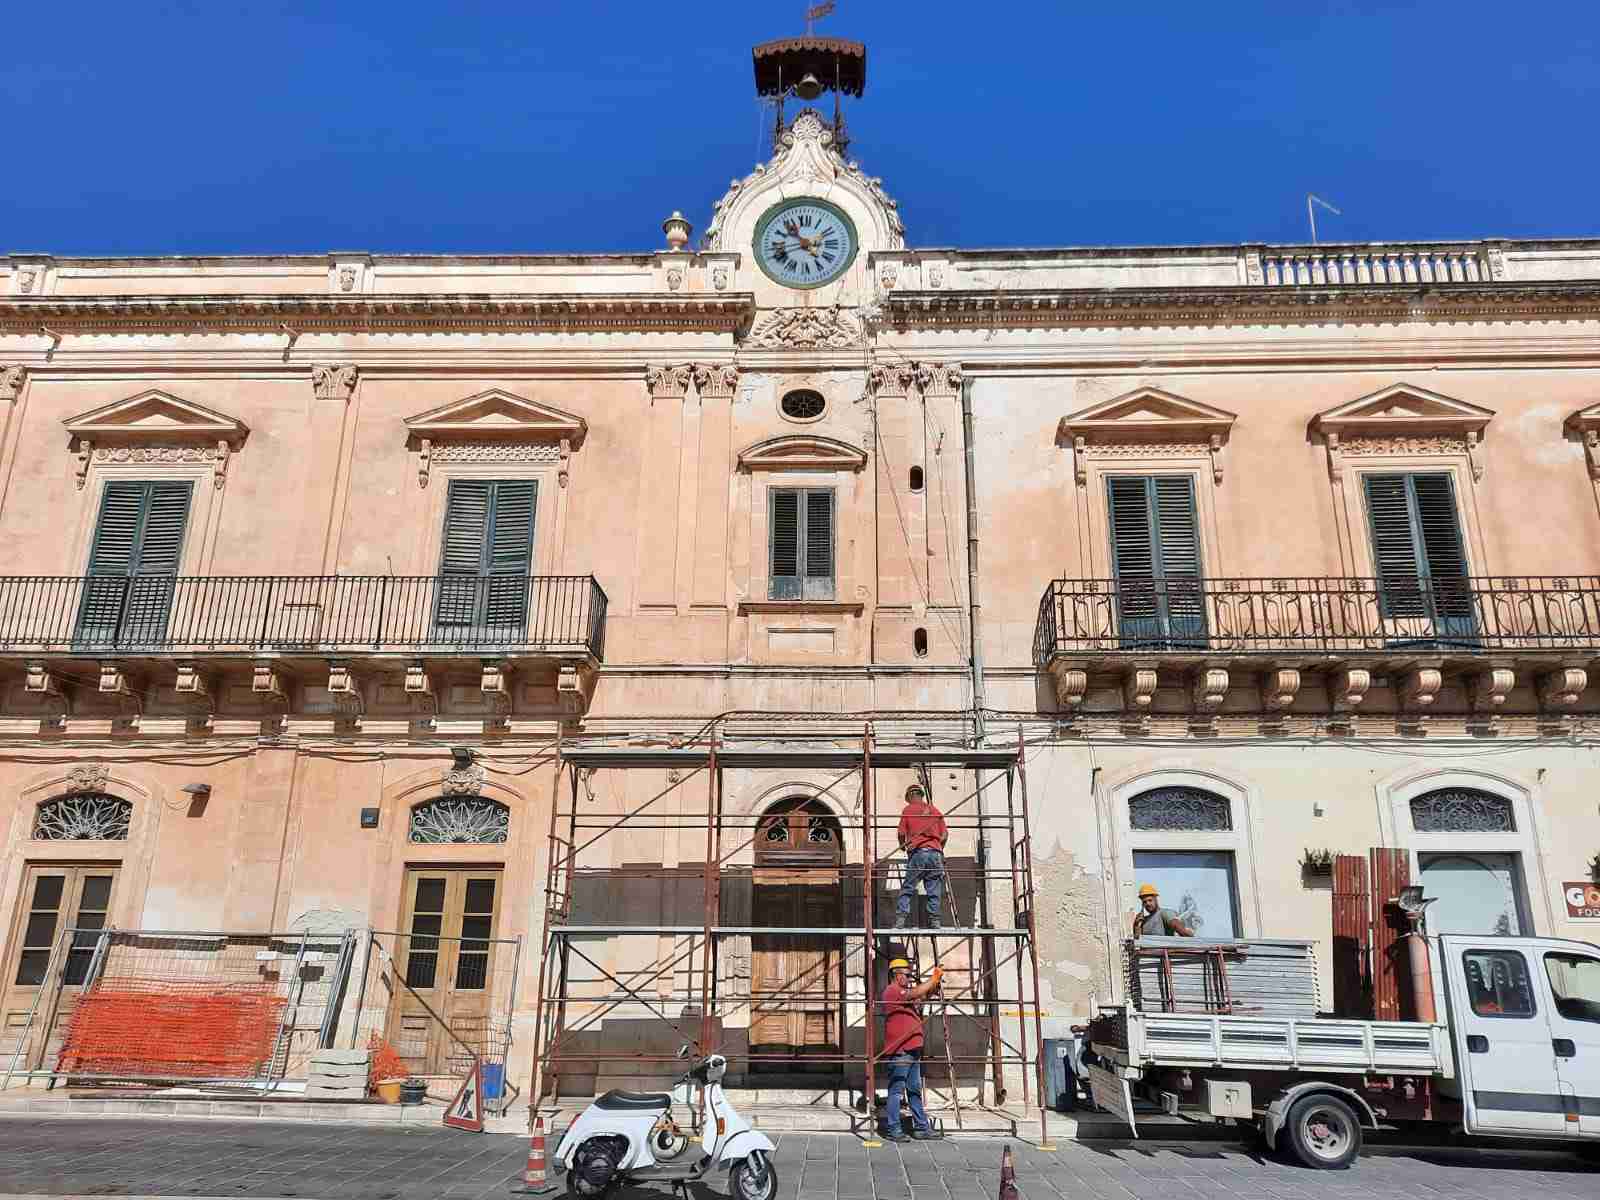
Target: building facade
313 564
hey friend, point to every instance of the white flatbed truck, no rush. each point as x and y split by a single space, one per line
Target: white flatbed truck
1514 1052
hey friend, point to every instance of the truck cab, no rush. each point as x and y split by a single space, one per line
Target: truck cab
1524 1018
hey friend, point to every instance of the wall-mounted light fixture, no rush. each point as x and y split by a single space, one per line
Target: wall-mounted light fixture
198 794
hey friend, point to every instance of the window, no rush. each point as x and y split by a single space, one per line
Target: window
1474 892
1179 808
919 642
1462 810
486 554
803 405
460 819
133 559
79 895
802 544
916 479
1575 983
1198 885
1155 557
1420 556
85 816
1498 983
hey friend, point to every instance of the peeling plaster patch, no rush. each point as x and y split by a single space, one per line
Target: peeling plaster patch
1550 449
1072 969
328 920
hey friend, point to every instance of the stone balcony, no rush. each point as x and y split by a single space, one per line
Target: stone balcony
344 647
1332 646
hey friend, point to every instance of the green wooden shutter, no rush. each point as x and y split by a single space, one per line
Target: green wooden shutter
135 554
1155 556
486 553
466 525
1418 551
509 553
819 544
784 507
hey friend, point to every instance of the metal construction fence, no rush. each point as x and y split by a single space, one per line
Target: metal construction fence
244 1009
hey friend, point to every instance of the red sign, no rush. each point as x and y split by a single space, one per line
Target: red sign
1583 900
466 1110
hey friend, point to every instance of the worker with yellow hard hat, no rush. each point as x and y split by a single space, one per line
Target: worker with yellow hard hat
902 1046
1155 921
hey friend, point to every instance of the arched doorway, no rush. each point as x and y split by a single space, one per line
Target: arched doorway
797 979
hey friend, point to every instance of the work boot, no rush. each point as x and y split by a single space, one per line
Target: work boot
894 1135
902 921
925 1135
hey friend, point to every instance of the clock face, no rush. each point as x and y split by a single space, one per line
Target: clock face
805 243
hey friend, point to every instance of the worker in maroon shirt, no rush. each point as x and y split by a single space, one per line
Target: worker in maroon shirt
922 836
902 1047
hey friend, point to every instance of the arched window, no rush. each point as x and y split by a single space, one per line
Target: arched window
1179 808
1462 810
460 819
83 817
798 829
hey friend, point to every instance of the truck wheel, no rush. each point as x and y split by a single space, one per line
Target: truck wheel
1324 1132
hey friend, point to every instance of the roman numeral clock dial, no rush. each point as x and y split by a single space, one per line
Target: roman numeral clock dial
805 243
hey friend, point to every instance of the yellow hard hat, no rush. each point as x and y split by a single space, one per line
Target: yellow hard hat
896 964
1148 889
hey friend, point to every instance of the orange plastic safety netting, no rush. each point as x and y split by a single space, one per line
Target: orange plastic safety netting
170 1030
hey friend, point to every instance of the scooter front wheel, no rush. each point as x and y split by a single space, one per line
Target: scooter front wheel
753 1178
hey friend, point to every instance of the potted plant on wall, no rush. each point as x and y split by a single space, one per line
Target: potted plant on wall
388 1072
1317 863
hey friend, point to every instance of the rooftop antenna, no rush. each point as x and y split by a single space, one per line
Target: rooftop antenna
1311 214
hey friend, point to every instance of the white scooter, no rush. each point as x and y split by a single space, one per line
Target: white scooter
614 1141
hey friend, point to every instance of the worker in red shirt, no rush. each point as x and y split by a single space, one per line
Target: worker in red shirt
922 836
902 1047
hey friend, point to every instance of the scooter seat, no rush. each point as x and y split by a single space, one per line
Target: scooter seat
619 1101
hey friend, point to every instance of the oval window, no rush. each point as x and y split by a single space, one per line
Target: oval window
803 405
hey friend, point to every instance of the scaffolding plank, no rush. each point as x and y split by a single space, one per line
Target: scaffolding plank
822 757
756 930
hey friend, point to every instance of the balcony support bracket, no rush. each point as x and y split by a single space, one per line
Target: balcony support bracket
198 697
348 698
268 684
575 688
1488 690
422 694
1071 685
496 687
1208 690
1419 686
115 685
1562 688
1279 687
41 681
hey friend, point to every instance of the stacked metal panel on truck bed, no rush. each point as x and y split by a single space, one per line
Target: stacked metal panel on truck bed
1254 977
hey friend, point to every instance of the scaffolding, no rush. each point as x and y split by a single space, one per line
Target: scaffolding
692 982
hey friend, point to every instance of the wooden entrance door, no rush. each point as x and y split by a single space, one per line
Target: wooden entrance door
450 965
797 979
54 898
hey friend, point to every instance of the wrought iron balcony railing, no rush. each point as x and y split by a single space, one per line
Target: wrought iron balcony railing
316 614
1320 615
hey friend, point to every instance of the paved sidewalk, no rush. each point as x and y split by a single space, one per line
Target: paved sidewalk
116 1157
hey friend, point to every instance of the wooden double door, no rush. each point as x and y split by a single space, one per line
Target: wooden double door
797 979
450 965
55 898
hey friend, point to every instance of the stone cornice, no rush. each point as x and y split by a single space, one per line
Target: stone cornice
720 313
1067 307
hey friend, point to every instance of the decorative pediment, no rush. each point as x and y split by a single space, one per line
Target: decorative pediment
1586 424
799 452
1143 418
156 416
1402 420
494 426
155 427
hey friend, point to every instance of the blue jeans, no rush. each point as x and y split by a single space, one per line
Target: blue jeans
926 864
905 1082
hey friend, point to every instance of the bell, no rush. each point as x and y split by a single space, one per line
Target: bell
809 87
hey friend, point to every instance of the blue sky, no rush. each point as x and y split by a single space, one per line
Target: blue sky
149 127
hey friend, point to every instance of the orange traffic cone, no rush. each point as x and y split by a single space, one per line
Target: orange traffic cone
1008 1176
533 1176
